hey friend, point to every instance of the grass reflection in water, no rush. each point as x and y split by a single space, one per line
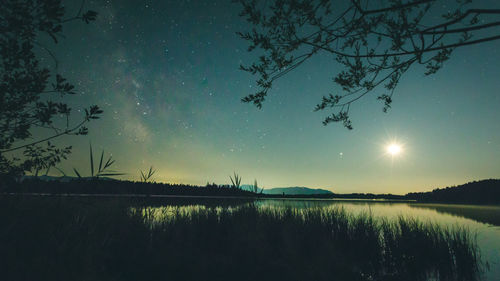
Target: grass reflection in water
110 240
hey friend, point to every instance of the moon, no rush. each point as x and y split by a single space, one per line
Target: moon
394 149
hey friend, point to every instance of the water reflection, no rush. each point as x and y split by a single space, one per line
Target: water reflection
484 214
484 221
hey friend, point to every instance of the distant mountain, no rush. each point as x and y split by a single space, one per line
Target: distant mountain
297 190
477 192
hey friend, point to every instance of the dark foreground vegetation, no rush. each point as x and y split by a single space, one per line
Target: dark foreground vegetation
47 238
110 186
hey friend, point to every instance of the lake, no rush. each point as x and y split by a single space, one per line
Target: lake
483 221
124 237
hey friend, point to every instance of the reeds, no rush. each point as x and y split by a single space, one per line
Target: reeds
255 187
147 176
235 181
92 239
103 168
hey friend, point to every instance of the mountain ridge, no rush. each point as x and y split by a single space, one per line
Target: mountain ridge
289 190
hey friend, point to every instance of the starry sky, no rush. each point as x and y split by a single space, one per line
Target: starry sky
166 75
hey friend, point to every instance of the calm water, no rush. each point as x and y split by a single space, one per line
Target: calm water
484 221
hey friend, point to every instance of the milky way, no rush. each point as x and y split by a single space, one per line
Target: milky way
166 74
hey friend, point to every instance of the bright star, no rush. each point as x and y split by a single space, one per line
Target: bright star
394 149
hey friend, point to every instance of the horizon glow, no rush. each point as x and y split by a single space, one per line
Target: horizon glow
166 75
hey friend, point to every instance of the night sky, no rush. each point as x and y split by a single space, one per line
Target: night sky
166 75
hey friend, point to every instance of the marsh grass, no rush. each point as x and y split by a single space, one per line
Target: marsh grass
235 181
147 176
102 170
110 239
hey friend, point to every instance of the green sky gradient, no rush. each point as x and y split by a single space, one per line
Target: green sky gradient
166 74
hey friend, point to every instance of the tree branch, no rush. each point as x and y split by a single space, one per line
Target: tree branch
465 29
66 132
388 9
468 12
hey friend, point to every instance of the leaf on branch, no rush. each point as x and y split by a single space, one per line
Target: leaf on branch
82 131
387 101
342 116
257 99
437 61
89 16
329 101
92 112
62 86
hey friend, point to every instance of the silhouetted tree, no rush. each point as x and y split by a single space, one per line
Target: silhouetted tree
28 90
375 41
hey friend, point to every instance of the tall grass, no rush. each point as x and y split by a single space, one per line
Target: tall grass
102 170
90 239
235 181
148 176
